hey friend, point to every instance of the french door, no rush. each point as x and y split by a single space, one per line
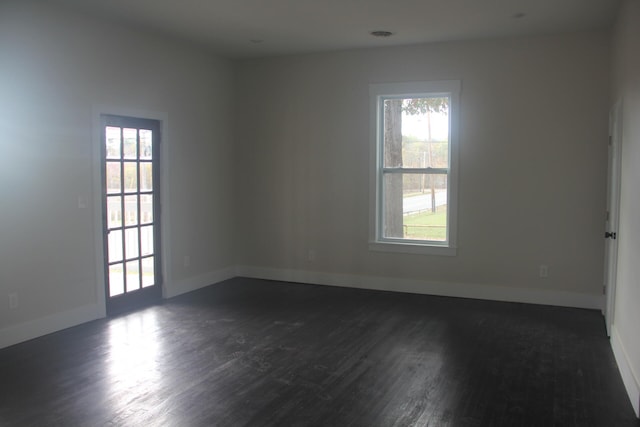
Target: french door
131 215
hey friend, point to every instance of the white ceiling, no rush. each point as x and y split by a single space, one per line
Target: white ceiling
258 28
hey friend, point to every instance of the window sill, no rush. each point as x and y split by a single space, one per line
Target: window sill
412 248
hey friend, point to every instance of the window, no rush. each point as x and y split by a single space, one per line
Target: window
413 167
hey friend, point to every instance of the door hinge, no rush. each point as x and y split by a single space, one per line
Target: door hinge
610 235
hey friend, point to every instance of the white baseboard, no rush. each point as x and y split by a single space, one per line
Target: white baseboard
631 382
45 325
462 290
204 280
32 329
21 332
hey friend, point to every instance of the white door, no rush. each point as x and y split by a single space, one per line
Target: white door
613 204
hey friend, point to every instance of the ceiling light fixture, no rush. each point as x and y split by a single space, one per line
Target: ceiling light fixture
380 33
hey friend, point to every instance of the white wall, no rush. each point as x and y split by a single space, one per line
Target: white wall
55 66
532 166
532 163
626 75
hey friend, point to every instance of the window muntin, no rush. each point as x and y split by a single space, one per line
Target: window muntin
413 167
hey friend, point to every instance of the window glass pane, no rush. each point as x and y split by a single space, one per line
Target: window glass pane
130 177
113 177
423 154
133 275
131 243
115 245
146 151
392 215
112 142
114 211
131 210
146 240
146 176
416 132
393 133
414 206
130 146
146 208
148 278
116 280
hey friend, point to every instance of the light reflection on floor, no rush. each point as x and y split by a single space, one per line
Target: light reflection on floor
134 358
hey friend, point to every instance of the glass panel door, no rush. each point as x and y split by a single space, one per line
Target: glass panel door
130 148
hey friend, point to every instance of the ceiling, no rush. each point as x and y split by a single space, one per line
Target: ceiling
258 28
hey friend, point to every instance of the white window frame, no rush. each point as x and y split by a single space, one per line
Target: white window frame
378 93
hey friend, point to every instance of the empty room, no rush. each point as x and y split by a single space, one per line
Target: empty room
319 213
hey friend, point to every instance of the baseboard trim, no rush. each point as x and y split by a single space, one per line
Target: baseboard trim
45 325
631 382
201 281
35 328
461 290
25 331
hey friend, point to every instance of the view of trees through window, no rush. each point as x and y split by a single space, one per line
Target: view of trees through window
415 168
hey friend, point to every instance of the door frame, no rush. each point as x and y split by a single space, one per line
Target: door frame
614 171
165 231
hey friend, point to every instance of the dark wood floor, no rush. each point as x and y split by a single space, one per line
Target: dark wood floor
258 353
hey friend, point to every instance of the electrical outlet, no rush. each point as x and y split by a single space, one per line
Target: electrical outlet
311 255
13 301
544 270
187 261
82 202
